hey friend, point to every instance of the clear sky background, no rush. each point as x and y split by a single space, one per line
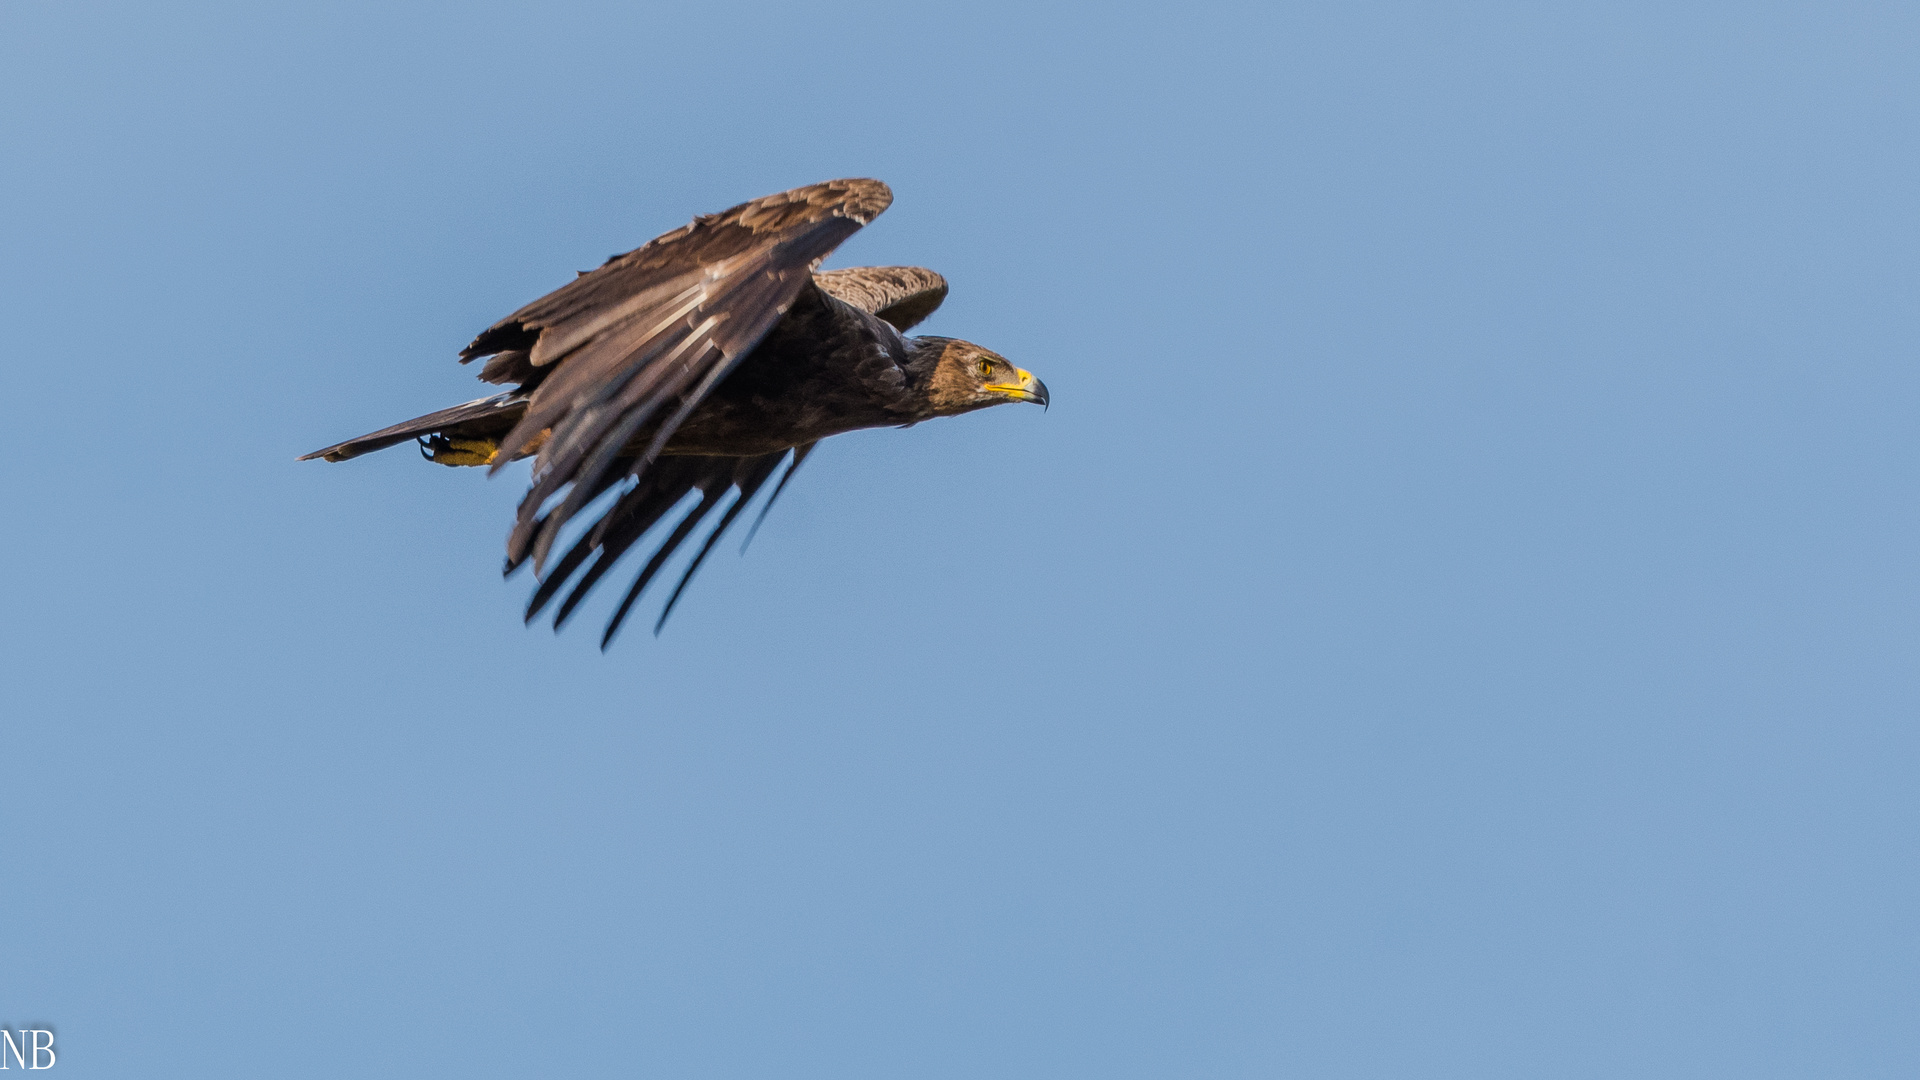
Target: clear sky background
1458 619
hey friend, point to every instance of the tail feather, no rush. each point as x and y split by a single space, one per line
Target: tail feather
491 416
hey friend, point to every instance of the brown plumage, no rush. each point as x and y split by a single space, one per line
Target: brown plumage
699 362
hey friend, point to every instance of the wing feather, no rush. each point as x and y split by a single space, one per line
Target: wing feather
655 494
902 295
756 471
637 344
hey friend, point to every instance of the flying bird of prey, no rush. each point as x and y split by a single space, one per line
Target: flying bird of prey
700 362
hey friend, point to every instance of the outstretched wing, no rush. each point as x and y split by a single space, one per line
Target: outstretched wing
902 295
637 344
660 489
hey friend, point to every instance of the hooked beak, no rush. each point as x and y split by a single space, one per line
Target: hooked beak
1026 388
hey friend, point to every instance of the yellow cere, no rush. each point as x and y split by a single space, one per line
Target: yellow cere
1024 376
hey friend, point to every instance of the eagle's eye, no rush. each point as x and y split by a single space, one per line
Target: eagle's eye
986 369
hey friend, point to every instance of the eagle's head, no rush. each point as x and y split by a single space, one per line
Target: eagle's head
967 377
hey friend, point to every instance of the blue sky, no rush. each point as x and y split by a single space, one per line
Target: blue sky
1457 619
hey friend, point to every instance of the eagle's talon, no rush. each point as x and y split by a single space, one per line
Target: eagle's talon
444 451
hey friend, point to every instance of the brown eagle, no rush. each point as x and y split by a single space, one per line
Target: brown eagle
699 362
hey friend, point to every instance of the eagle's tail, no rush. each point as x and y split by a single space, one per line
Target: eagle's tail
485 419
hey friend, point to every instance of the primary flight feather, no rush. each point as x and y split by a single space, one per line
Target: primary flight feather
700 362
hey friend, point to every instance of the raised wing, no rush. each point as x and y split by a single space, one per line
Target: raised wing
637 344
902 295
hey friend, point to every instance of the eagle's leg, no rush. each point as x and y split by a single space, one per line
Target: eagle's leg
448 450
444 451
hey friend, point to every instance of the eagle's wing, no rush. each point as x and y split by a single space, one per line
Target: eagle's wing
660 489
644 338
902 295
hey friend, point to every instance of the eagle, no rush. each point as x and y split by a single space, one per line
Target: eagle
700 362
